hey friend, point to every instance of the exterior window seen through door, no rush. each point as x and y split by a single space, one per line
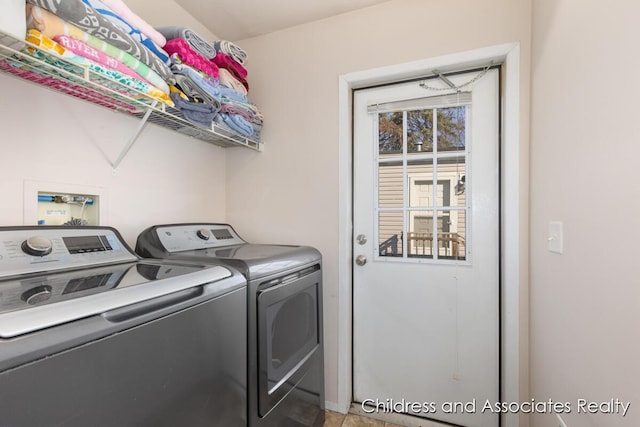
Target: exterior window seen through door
422 183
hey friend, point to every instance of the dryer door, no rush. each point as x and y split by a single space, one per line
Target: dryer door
288 336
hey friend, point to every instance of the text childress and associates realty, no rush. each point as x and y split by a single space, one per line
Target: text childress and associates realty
581 406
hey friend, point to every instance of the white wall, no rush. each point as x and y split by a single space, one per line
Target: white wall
289 193
53 138
584 171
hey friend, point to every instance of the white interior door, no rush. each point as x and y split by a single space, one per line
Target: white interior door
426 249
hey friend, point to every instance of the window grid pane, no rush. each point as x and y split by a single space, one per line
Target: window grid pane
390 233
422 171
390 133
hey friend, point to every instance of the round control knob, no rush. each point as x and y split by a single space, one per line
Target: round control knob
204 234
36 295
37 246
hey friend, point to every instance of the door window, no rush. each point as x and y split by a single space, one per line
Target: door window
422 178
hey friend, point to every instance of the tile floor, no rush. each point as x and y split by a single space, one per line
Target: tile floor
333 419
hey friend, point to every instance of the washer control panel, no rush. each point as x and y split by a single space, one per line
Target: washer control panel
25 250
176 238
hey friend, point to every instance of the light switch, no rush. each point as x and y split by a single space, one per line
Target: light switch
555 237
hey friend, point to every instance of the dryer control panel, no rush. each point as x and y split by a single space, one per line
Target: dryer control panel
25 250
176 238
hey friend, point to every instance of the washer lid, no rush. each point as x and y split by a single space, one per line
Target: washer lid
219 244
38 301
253 261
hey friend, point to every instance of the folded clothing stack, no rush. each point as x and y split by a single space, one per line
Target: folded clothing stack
213 73
90 33
205 81
66 48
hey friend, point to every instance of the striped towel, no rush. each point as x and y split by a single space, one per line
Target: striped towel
196 42
52 26
231 49
57 50
120 22
190 57
88 20
193 90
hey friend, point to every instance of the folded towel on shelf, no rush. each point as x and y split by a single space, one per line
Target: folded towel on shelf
198 113
191 57
119 7
231 49
56 50
88 20
225 62
211 84
222 60
193 90
246 110
104 10
235 123
239 123
235 110
81 48
197 43
52 26
251 109
227 79
232 94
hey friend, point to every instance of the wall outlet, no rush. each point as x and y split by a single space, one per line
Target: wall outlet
561 422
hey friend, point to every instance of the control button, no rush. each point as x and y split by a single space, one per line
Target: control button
37 246
105 243
37 295
204 234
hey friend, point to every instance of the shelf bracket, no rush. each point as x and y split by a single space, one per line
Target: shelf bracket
135 136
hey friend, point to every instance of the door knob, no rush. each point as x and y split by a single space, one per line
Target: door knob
361 260
361 239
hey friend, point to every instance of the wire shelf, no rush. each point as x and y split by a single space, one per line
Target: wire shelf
80 82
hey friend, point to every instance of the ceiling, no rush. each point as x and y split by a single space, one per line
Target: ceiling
240 19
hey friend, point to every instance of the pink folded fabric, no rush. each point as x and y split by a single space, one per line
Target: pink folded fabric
222 60
225 62
82 49
120 8
191 57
